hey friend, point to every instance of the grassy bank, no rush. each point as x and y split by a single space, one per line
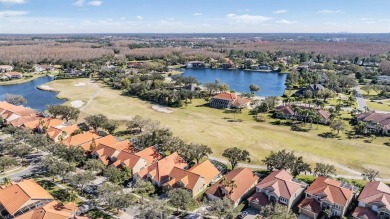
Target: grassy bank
201 124
22 80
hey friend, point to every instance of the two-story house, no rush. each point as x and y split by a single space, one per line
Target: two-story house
236 186
327 195
374 202
228 100
158 172
195 180
376 122
277 187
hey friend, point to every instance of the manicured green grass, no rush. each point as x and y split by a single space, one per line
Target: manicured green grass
381 105
201 124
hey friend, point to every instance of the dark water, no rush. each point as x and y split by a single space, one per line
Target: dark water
271 84
36 99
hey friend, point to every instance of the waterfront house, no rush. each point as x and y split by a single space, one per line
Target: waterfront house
17 115
374 202
195 64
41 68
244 181
13 75
6 68
326 194
195 179
228 100
378 123
278 187
158 172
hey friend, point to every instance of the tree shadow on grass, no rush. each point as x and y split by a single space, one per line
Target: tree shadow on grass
297 128
46 184
327 135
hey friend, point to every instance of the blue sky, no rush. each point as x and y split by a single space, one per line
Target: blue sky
198 16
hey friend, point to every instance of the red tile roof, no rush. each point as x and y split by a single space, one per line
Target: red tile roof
332 190
376 192
280 182
242 177
364 213
311 205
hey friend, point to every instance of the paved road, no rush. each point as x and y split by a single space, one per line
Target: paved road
362 105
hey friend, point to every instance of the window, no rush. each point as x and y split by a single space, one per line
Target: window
283 200
338 207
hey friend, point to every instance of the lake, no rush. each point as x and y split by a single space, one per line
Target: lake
271 84
36 99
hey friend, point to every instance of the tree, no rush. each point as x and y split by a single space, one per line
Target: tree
325 94
337 125
236 155
325 170
298 166
253 88
6 162
111 126
65 112
180 198
96 121
280 160
137 122
144 188
155 208
21 151
55 167
361 128
276 211
222 208
113 196
370 174
14 99
38 141
196 152
223 88
116 175
6 181
82 179
94 165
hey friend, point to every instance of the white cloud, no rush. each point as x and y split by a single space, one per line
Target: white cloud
280 11
12 13
331 12
95 3
197 14
140 17
284 21
248 19
78 3
13 1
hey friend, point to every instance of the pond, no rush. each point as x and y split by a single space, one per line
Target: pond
36 99
271 84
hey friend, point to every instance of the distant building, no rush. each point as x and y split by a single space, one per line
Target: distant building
195 64
13 75
228 100
292 112
314 88
6 68
41 68
376 122
135 64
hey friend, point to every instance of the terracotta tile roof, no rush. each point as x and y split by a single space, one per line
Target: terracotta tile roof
160 170
24 119
332 190
54 131
207 170
259 198
16 196
289 110
106 140
311 205
44 122
150 154
280 182
79 139
364 213
185 177
381 118
104 152
242 177
127 159
376 192
226 96
52 210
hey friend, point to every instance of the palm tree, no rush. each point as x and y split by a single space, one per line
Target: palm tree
6 181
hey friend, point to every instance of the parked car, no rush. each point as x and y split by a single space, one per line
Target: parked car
242 214
130 184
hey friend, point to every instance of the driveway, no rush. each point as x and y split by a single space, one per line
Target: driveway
252 212
362 105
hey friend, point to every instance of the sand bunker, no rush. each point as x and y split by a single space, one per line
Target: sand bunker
77 104
162 109
79 84
46 87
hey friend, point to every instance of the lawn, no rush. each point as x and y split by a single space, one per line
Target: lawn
201 124
379 105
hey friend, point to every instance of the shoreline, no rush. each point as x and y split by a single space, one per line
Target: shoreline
22 80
